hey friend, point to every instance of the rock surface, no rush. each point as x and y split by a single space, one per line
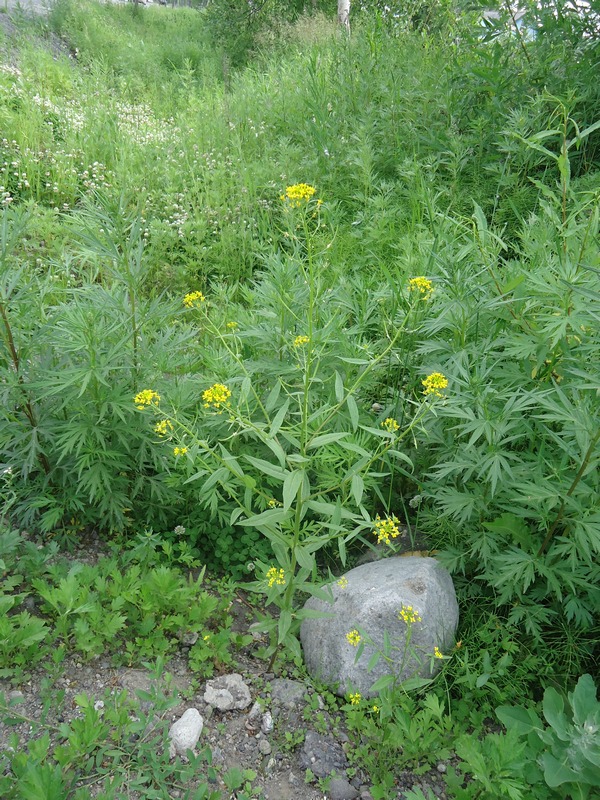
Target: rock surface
184 733
370 603
228 692
340 789
322 755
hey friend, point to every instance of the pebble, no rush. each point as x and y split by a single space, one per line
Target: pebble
267 722
441 767
264 747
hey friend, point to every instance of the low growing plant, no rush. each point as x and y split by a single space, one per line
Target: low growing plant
112 748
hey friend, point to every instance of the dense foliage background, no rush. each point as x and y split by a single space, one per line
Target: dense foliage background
145 156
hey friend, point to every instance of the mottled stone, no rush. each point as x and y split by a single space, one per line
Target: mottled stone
227 692
369 601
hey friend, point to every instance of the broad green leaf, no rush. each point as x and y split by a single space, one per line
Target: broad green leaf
329 509
584 700
339 387
276 449
285 622
353 411
245 389
235 515
273 397
357 487
196 476
553 709
557 772
383 683
511 285
267 468
326 438
518 719
278 418
304 557
272 516
293 481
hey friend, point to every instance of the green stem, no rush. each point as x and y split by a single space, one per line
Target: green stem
213 328
28 407
572 488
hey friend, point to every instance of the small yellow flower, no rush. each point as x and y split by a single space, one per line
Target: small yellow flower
194 300
163 427
179 451
409 615
298 194
300 341
343 582
434 383
232 325
390 425
147 397
273 503
375 709
355 698
206 638
217 396
437 652
386 529
422 285
354 637
275 577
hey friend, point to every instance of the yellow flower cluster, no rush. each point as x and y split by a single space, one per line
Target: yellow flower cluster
274 503
354 638
146 397
275 577
386 529
217 396
179 451
390 425
298 194
434 383
300 341
163 427
232 325
343 582
409 615
355 698
194 300
437 652
422 285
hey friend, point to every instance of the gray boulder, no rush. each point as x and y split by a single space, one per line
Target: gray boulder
370 603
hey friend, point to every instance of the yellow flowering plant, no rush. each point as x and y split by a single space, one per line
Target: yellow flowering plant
279 444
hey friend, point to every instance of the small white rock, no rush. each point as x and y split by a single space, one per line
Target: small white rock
184 733
98 705
267 722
